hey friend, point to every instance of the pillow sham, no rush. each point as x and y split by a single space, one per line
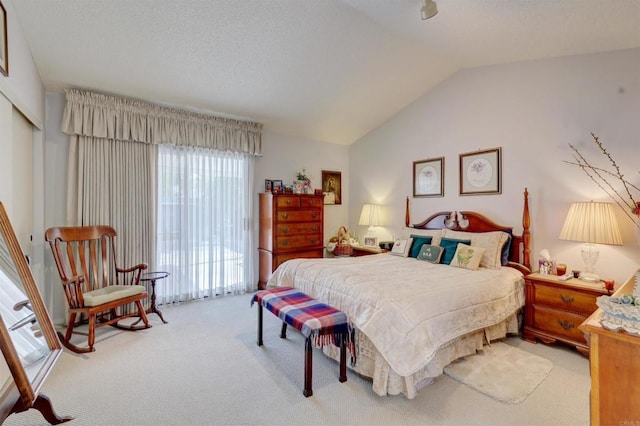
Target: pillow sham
418 241
467 257
401 247
449 246
492 242
435 233
430 253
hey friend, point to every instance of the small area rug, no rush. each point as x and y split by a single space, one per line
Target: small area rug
501 371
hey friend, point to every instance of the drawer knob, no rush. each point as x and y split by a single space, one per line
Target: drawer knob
314 241
566 324
285 230
566 299
285 215
285 243
311 202
288 201
314 215
314 228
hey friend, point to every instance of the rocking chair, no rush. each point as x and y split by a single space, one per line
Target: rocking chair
93 283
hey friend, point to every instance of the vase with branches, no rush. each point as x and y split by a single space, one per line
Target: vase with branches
602 175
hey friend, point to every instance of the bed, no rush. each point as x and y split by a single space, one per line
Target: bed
411 317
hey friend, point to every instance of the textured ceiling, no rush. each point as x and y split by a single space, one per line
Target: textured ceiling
329 70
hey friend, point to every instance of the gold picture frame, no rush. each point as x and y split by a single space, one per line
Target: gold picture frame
332 187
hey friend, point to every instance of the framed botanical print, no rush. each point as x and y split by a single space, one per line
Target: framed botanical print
481 172
428 178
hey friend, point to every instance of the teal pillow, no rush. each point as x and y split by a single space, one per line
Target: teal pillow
449 246
430 253
418 241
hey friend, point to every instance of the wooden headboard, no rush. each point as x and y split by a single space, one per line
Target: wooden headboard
519 256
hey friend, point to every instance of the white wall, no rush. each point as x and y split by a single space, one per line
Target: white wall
283 156
532 110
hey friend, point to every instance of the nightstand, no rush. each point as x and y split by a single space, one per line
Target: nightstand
365 251
555 309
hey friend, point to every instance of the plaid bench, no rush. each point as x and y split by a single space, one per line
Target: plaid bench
315 320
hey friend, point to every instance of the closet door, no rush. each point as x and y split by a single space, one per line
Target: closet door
21 204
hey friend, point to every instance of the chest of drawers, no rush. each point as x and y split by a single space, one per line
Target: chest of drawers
291 226
555 309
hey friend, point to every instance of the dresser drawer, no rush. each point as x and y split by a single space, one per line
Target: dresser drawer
565 299
310 203
560 323
294 229
299 216
295 242
285 201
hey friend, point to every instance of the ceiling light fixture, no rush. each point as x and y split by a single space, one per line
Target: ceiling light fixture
429 9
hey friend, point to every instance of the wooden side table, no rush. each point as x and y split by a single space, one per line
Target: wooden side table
555 309
366 251
152 277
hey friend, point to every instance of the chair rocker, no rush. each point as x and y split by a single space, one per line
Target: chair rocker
97 289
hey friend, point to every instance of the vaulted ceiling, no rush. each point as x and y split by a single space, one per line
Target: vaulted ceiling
327 70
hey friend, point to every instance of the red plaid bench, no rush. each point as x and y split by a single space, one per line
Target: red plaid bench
315 320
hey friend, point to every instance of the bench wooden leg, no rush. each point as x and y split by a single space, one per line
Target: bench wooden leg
308 367
283 331
343 361
260 325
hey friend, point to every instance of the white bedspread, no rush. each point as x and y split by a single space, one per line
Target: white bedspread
406 307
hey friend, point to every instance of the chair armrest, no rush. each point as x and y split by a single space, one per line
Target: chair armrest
131 275
73 289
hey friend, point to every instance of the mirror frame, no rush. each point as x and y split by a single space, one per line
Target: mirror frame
23 393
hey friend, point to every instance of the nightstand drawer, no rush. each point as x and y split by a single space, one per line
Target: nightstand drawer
559 323
565 299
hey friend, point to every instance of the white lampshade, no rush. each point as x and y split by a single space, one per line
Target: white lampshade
591 223
370 215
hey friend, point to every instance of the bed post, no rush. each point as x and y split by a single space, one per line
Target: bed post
407 218
526 235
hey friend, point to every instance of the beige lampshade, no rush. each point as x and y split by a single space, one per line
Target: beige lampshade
370 215
591 222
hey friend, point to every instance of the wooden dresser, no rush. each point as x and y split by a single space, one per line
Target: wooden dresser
291 226
615 371
555 309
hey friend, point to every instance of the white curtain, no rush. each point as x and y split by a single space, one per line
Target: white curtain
204 176
204 233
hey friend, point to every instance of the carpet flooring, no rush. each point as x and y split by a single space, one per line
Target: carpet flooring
204 368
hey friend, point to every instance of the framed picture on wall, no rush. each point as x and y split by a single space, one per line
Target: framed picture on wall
4 42
332 187
428 177
481 172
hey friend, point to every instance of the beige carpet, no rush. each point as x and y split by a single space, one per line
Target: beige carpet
501 371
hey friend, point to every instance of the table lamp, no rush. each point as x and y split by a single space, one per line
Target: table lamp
592 223
370 216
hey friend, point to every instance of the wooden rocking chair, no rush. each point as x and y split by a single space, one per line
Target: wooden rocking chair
93 283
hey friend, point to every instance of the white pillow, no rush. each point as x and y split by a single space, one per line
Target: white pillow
435 233
467 257
401 247
492 242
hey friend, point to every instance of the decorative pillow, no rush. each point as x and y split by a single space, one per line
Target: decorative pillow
418 241
449 246
430 253
492 242
435 233
506 250
467 257
401 247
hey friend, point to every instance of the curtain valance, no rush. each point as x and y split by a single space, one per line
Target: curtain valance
111 117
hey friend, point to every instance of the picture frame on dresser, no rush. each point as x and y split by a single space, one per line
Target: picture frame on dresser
428 177
370 242
481 172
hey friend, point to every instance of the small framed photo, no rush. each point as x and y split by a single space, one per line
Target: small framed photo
268 185
277 187
4 42
370 242
332 187
481 172
428 177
